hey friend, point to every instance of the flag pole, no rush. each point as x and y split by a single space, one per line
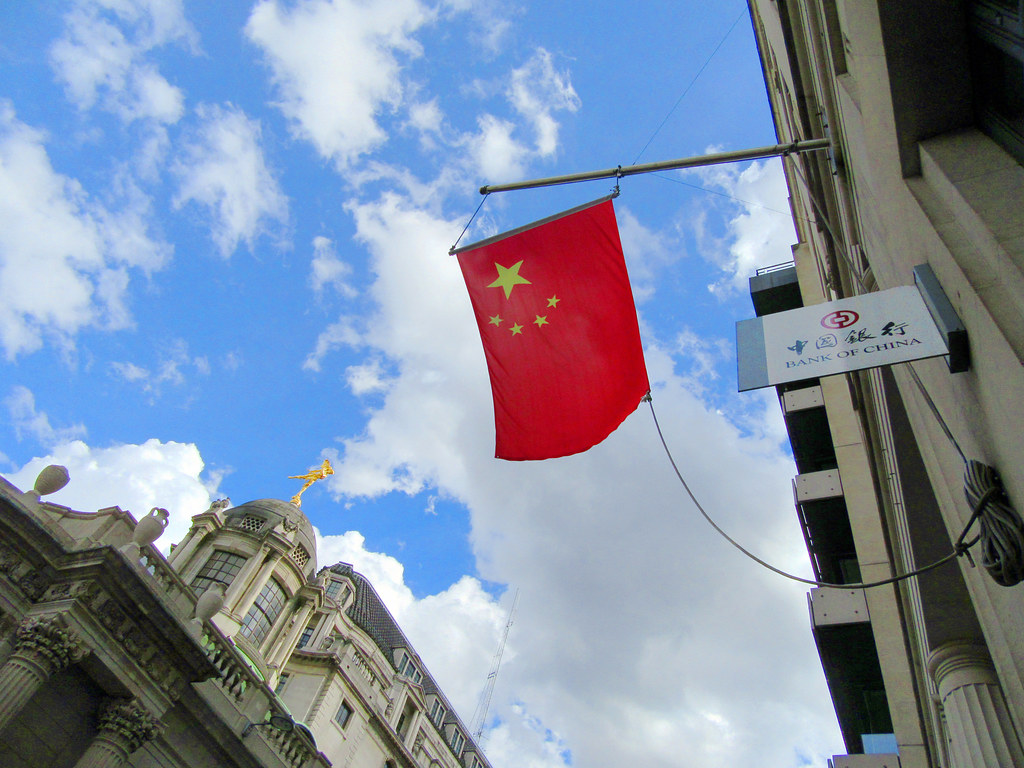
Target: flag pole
809 145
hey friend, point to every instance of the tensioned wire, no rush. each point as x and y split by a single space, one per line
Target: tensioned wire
960 548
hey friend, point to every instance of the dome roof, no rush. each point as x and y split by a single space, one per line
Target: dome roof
275 512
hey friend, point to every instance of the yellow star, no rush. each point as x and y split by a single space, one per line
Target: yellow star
553 301
496 320
508 278
516 329
541 320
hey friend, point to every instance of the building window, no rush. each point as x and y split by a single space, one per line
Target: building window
337 591
221 568
264 612
458 740
305 637
281 682
344 713
997 68
408 668
437 713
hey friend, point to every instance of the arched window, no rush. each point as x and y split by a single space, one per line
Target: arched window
221 568
264 612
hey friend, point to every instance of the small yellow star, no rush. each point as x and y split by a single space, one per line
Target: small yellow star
509 278
496 320
541 320
516 329
553 301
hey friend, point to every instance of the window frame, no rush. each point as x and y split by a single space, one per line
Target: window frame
344 707
207 575
264 612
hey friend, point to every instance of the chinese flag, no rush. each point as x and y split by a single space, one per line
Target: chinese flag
560 334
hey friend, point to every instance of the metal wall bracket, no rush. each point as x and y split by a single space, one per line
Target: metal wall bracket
945 317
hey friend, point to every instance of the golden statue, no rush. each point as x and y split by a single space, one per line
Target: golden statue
310 478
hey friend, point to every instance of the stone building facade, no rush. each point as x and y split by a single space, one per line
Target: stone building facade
923 101
233 651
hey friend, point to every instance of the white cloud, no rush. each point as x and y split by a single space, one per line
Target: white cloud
101 58
537 91
495 151
133 477
27 421
223 169
337 65
339 334
173 363
366 378
639 629
646 252
328 270
761 233
55 235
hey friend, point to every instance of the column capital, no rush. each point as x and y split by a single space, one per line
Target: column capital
47 639
128 721
956 664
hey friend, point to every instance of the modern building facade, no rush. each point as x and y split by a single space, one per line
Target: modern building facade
923 101
234 651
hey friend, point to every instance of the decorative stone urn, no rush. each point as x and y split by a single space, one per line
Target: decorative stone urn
50 480
207 606
147 530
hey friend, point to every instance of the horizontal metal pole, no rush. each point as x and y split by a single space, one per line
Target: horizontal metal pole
809 145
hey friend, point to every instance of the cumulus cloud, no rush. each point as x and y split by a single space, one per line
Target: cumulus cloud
339 334
223 169
102 57
537 90
760 233
55 234
133 477
638 625
329 270
336 65
28 422
173 364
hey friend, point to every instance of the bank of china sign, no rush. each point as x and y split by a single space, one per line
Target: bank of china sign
866 331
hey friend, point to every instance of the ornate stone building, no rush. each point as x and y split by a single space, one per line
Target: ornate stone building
234 651
923 101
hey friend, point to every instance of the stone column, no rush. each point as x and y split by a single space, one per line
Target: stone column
300 619
42 647
124 725
978 727
243 578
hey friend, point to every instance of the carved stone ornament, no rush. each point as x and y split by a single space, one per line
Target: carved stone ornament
51 479
46 638
129 721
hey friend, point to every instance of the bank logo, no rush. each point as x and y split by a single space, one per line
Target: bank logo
842 318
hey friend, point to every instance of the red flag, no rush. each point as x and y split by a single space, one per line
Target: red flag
560 334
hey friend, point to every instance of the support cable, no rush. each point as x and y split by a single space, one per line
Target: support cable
1000 538
482 201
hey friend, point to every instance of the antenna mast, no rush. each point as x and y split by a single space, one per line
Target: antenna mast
480 716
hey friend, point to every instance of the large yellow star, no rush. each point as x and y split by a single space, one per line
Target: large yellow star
509 278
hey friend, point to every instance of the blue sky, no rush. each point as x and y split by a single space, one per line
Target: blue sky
223 258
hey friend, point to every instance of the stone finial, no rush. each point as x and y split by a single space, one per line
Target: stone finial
147 530
209 603
51 479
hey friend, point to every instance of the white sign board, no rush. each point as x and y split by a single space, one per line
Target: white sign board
865 331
